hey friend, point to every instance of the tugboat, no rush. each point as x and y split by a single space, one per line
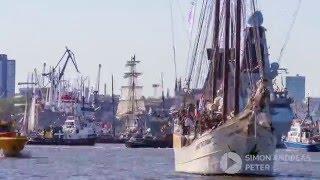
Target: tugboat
304 134
72 133
11 142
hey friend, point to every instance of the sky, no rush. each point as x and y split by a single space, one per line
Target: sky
109 32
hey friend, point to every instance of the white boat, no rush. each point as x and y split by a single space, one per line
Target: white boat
228 130
304 134
282 115
72 133
247 134
72 129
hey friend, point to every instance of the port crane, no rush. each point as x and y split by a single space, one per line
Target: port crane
68 56
56 73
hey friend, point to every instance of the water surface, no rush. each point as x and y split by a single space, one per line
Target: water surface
105 161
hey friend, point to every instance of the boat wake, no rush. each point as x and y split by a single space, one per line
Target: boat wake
21 155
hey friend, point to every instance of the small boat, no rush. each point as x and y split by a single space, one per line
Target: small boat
160 119
11 143
60 142
71 134
149 142
303 135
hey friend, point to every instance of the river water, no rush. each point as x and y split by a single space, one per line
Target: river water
105 161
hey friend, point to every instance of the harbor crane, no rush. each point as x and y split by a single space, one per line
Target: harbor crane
68 55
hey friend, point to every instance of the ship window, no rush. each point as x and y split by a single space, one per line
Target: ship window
69 123
307 135
293 129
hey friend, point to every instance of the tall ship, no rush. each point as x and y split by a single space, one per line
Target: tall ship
228 116
131 107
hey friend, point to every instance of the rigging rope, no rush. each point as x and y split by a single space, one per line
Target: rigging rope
183 17
246 58
202 51
295 15
194 4
193 58
173 40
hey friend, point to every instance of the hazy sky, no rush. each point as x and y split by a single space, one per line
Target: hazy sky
110 31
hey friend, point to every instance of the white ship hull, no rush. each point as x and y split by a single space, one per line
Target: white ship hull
204 154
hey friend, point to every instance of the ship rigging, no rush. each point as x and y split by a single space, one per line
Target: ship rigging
230 111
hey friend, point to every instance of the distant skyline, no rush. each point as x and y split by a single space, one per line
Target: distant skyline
109 32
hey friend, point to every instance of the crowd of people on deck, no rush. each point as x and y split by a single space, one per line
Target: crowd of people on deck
196 118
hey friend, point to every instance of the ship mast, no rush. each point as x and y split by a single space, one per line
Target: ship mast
238 20
131 103
162 93
113 108
216 49
226 61
308 107
27 107
257 43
